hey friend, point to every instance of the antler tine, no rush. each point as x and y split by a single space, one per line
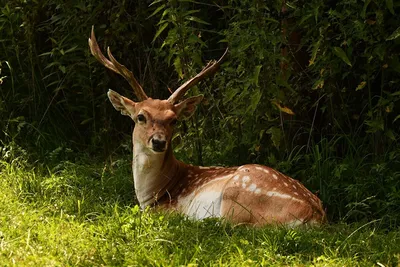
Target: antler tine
128 75
115 66
96 52
209 69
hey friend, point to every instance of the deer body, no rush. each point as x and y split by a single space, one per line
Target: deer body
251 194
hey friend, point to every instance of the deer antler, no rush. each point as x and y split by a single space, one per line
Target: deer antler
115 66
209 69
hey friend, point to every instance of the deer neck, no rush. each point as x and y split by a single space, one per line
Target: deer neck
154 174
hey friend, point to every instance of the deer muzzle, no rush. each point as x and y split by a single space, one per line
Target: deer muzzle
158 142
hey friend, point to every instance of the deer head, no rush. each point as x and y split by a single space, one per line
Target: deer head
154 119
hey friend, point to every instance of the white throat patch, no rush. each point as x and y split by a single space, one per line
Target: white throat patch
147 176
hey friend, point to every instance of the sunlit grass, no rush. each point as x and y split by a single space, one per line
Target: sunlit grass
85 215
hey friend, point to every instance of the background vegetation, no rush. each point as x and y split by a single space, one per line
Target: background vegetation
310 87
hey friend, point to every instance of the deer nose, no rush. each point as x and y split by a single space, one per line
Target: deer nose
158 144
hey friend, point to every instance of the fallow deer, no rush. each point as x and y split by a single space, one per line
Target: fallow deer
249 194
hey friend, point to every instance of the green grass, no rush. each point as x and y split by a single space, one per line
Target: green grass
84 215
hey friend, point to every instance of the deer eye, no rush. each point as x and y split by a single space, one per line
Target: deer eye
141 118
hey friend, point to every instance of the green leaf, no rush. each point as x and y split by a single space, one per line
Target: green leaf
164 13
71 49
314 52
256 74
361 85
188 1
160 30
394 35
46 54
194 39
282 108
196 19
178 66
282 80
157 10
389 4
254 100
86 121
390 135
397 117
304 19
364 10
316 11
155 2
276 134
230 94
375 125
191 12
318 84
62 68
272 20
342 55
52 64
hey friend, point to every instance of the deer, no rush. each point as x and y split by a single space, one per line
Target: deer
251 194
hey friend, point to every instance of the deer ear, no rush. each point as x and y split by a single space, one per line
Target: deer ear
186 108
121 103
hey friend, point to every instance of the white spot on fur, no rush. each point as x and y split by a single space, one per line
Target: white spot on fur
276 194
203 168
252 187
258 191
296 193
259 168
294 187
275 177
246 179
286 184
274 189
244 185
236 177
